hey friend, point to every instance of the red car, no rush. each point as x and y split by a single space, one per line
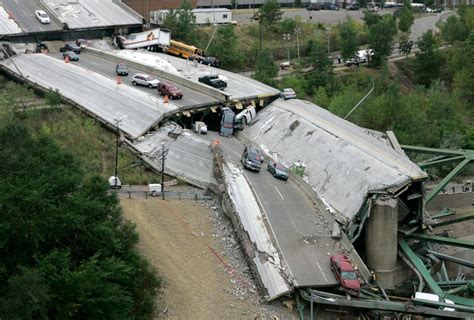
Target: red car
170 90
345 273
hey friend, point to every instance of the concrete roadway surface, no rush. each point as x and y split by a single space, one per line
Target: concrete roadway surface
301 232
107 68
24 13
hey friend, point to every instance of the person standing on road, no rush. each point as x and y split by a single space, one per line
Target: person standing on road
339 58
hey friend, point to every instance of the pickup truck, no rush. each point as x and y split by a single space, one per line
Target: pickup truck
213 81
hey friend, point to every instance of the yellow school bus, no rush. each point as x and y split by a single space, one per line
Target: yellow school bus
183 50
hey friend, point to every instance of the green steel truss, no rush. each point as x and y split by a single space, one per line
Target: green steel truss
442 156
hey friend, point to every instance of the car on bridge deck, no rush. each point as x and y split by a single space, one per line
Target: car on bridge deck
278 170
144 80
121 69
345 273
170 90
252 158
70 47
71 55
213 81
288 93
42 16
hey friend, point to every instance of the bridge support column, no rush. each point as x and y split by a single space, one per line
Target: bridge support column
381 240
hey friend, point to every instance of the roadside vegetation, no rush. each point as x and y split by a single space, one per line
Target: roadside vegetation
66 250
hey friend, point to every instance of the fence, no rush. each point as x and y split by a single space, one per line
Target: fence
131 194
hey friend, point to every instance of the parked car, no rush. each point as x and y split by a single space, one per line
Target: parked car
121 69
244 117
313 7
227 122
371 7
353 7
430 10
71 55
288 93
278 170
200 127
144 80
42 16
210 61
345 273
252 158
170 90
70 47
213 81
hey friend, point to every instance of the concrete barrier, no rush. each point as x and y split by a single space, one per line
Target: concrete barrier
161 74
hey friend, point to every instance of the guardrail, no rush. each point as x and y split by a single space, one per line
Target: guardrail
161 74
130 194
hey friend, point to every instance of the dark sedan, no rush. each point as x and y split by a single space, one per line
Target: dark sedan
278 170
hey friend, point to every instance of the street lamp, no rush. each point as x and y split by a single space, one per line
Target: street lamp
117 123
297 32
287 37
162 156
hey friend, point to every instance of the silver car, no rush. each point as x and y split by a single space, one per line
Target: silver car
288 93
145 80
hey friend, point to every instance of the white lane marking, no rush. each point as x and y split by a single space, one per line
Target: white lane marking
322 272
279 193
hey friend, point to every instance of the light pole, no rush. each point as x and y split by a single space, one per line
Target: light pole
117 123
162 156
287 37
297 32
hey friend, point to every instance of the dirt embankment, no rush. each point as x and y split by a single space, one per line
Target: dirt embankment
180 240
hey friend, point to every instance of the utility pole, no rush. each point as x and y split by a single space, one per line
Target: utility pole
117 123
287 37
162 156
298 31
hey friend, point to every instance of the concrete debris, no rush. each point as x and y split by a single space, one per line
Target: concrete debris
336 231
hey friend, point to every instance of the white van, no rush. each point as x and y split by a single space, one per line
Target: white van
434 297
154 188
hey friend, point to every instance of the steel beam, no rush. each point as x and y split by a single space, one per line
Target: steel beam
443 240
443 213
440 186
407 307
460 261
420 266
447 152
430 163
458 218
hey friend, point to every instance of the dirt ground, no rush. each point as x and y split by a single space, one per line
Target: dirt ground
180 241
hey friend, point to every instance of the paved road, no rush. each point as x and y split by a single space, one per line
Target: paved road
323 16
100 96
24 13
299 229
426 23
107 68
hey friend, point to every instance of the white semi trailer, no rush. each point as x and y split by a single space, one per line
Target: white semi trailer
155 38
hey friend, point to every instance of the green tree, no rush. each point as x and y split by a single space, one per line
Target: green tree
405 45
428 59
288 25
380 38
225 46
270 13
53 98
181 22
453 29
348 40
406 18
371 18
265 67
65 236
